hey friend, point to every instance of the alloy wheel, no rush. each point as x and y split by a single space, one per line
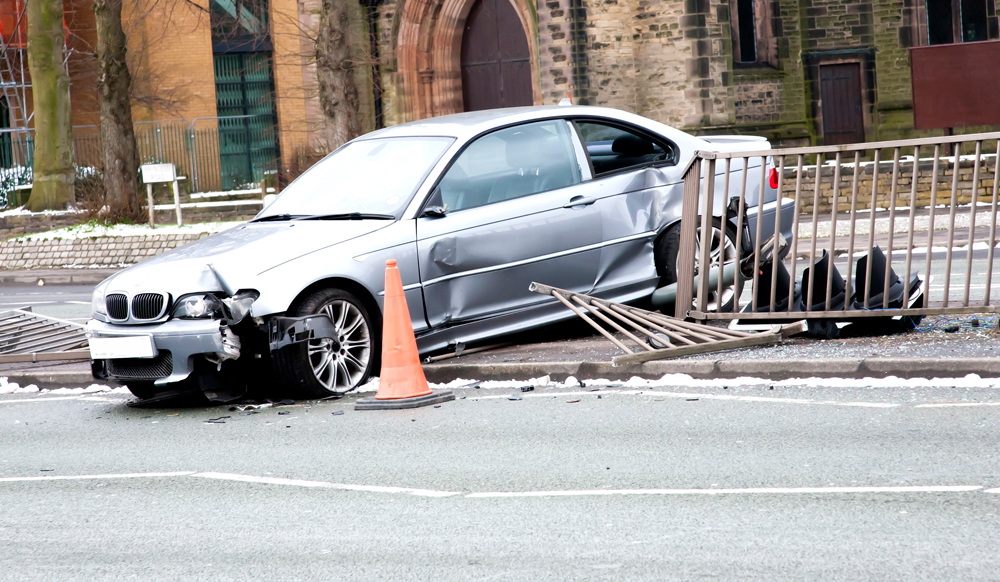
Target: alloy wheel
339 364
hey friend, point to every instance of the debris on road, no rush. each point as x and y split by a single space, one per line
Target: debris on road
670 337
514 397
219 420
30 337
572 400
338 413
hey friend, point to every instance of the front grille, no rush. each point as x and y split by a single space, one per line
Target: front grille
117 304
148 305
142 368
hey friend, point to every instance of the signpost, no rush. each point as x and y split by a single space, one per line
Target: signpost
159 174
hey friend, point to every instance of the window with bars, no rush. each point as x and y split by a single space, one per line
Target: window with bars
248 140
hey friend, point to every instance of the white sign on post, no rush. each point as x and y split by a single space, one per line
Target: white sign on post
158 174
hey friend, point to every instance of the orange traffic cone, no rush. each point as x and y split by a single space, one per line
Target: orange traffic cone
401 383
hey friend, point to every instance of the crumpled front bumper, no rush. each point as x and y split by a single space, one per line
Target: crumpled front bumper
184 339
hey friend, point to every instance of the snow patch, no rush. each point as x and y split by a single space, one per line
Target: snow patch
118 230
14 388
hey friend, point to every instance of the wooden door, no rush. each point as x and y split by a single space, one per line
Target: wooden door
840 92
496 63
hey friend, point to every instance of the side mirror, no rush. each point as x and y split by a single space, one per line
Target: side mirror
434 212
269 198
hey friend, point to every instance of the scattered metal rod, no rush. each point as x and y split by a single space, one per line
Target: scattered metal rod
30 337
455 354
680 338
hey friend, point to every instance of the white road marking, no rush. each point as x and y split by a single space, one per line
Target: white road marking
109 476
957 404
23 303
327 485
687 395
750 490
494 494
77 302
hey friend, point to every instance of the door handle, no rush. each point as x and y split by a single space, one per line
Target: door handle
579 201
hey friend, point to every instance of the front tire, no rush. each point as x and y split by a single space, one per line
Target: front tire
328 367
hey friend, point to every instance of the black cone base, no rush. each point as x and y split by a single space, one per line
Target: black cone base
435 397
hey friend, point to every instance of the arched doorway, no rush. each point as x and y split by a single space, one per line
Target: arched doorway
496 60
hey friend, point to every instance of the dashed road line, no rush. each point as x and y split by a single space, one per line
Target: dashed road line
436 493
90 477
957 404
326 485
744 491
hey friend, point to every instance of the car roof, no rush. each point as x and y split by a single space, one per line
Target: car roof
464 126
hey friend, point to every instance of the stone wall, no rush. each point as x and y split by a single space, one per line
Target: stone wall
17 224
84 252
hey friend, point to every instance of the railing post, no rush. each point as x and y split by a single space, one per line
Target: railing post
689 227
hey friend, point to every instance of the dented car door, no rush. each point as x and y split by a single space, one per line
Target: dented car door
514 213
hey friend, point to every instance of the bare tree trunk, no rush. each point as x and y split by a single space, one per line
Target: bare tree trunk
53 158
121 157
338 92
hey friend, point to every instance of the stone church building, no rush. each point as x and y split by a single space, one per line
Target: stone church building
797 71
226 89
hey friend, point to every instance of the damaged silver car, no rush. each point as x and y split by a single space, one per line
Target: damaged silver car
474 207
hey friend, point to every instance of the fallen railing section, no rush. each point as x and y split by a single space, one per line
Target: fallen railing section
657 336
30 337
858 205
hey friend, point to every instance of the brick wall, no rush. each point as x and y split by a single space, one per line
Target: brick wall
18 254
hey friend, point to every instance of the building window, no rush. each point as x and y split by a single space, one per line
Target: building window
248 140
244 21
750 23
951 21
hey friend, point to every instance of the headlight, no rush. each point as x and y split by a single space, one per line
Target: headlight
204 306
239 305
98 310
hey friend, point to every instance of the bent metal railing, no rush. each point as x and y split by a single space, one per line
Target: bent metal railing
912 199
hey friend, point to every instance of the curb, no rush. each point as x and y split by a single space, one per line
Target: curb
698 369
707 369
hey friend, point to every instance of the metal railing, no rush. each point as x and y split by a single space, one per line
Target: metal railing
193 146
848 205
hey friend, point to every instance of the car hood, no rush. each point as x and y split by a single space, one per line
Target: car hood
238 255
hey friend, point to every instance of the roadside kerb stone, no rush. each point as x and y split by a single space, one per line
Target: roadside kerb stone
698 369
709 369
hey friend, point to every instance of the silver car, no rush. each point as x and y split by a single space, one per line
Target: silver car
474 207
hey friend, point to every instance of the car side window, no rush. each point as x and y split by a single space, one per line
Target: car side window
511 163
612 148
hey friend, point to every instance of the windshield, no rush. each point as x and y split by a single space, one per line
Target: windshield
375 176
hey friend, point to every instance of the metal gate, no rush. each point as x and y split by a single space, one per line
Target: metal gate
932 214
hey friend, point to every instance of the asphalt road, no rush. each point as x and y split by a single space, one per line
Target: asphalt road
708 483
63 301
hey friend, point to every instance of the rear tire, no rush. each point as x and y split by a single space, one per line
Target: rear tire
668 246
321 368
